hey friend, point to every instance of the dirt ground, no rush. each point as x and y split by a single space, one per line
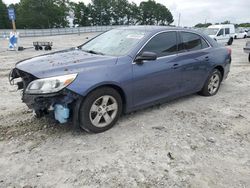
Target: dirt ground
194 141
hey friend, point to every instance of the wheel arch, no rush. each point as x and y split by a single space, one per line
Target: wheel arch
221 69
113 86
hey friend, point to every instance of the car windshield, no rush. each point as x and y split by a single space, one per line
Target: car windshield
211 31
115 42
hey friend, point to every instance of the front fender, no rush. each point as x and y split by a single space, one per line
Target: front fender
118 75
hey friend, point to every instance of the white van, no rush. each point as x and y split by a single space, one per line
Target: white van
222 33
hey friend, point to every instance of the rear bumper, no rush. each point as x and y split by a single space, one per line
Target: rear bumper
227 68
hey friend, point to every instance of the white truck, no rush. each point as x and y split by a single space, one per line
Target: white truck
222 33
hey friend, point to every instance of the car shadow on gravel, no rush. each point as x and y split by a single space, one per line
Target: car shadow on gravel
35 128
45 127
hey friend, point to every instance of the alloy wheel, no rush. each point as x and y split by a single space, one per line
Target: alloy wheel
103 111
214 84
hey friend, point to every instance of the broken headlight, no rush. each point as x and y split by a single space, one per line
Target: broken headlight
50 85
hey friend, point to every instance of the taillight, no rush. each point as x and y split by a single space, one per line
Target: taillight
229 50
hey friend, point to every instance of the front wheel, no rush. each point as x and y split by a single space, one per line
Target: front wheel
100 110
212 84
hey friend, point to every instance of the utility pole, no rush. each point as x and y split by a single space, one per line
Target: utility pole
179 19
14 26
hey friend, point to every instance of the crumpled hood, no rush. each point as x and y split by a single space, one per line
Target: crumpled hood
64 62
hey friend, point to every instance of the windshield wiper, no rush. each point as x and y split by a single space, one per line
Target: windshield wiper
94 52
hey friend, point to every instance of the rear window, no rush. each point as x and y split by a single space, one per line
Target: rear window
192 42
204 44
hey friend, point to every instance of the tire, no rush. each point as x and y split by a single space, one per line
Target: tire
210 89
249 57
100 110
230 42
245 36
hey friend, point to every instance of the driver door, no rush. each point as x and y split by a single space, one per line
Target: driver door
160 78
221 37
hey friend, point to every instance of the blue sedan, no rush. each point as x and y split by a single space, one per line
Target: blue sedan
120 71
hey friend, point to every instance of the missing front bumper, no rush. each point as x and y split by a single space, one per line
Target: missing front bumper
60 103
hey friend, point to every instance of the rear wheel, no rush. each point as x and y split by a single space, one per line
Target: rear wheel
212 84
249 57
100 110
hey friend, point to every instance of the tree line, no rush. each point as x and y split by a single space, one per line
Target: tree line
56 13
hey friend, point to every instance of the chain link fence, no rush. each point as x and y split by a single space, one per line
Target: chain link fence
56 31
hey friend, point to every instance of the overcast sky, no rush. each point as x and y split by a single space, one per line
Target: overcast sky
195 11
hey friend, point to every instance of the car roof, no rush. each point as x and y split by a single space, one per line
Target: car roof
152 28
156 29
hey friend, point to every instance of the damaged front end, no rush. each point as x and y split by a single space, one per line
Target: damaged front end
47 95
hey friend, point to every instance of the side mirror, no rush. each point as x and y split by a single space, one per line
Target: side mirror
146 56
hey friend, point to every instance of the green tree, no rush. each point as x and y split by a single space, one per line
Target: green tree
100 12
4 20
147 12
244 25
61 8
225 22
41 14
81 13
119 11
200 25
153 13
162 15
132 14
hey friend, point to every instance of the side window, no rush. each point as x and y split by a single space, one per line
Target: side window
162 44
227 31
204 43
221 32
190 42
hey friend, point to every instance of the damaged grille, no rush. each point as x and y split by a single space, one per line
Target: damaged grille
26 78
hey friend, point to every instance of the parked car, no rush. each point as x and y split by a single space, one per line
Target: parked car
241 33
223 33
247 49
120 71
248 32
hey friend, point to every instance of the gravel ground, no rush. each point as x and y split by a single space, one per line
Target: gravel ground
194 141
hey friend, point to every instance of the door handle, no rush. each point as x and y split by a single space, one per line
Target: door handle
175 66
206 58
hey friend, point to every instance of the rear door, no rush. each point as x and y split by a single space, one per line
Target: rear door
194 59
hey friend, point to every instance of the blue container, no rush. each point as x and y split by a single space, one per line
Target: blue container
61 113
